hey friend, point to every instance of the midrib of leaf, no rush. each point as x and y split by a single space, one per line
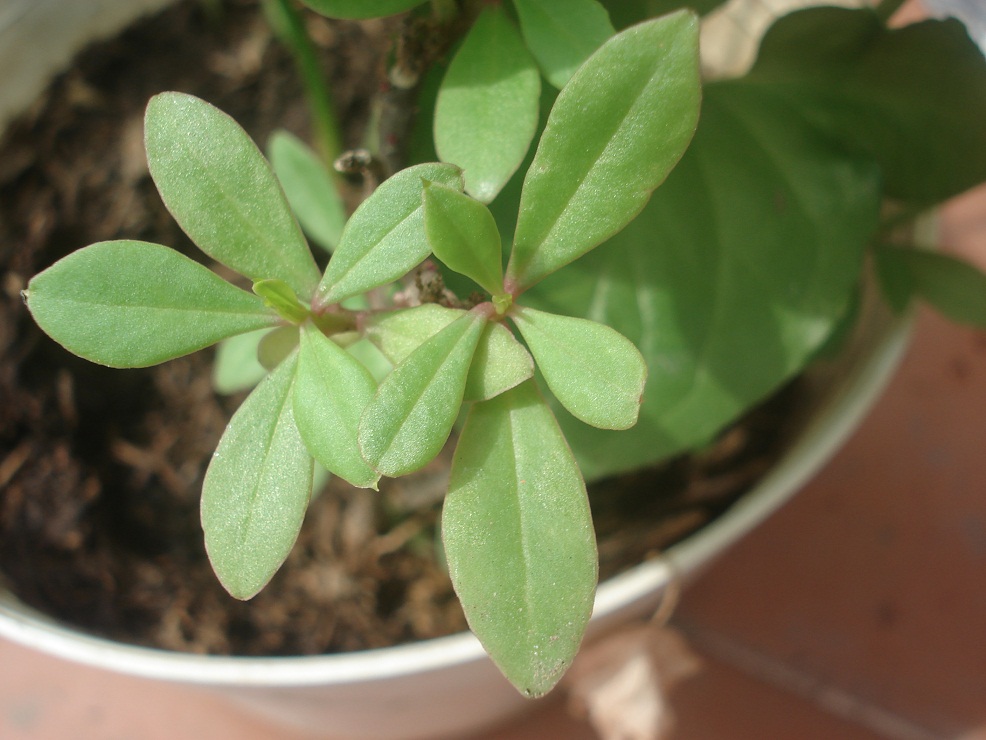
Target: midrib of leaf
160 309
525 549
559 29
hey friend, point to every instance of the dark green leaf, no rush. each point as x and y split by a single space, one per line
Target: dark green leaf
518 538
951 285
625 13
596 372
913 98
385 238
615 132
462 234
222 192
356 9
487 110
563 33
133 304
310 189
408 421
330 393
257 488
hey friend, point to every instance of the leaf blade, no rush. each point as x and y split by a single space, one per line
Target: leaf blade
462 233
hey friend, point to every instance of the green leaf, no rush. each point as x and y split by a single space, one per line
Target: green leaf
276 345
462 234
625 13
518 538
385 238
500 363
358 9
330 393
912 98
596 372
562 34
236 367
223 194
615 132
134 304
309 187
257 488
732 277
951 285
277 295
487 109
398 333
408 421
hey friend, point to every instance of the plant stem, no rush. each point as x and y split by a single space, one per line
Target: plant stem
289 27
886 8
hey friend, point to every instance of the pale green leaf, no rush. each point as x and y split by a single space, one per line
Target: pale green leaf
133 304
277 294
500 363
257 488
408 421
562 34
595 372
223 193
953 286
487 109
310 189
385 238
398 333
463 235
236 366
276 345
330 393
615 132
519 539
358 9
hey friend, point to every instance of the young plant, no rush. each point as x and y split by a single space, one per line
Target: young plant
516 525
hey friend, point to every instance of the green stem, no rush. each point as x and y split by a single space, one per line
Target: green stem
289 27
886 8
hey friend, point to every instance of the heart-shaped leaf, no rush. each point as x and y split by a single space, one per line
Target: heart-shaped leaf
134 304
562 34
223 193
596 372
331 391
616 130
518 538
488 105
358 9
385 238
408 421
257 488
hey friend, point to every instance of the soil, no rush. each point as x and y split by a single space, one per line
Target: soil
100 469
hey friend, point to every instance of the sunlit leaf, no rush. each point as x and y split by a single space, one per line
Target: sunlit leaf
596 372
562 34
257 488
500 363
223 193
357 9
518 538
463 235
385 238
330 393
953 286
408 421
487 109
398 333
309 187
615 132
133 304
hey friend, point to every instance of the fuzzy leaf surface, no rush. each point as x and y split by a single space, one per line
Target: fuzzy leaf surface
462 233
223 193
615 132
488 105
518 538
134 304
409 419
562 34
309 187
500 363
730 280
330 394
595 372
385 238
398 333
359 9
257 488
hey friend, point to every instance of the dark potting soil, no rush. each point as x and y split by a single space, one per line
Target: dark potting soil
100 469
